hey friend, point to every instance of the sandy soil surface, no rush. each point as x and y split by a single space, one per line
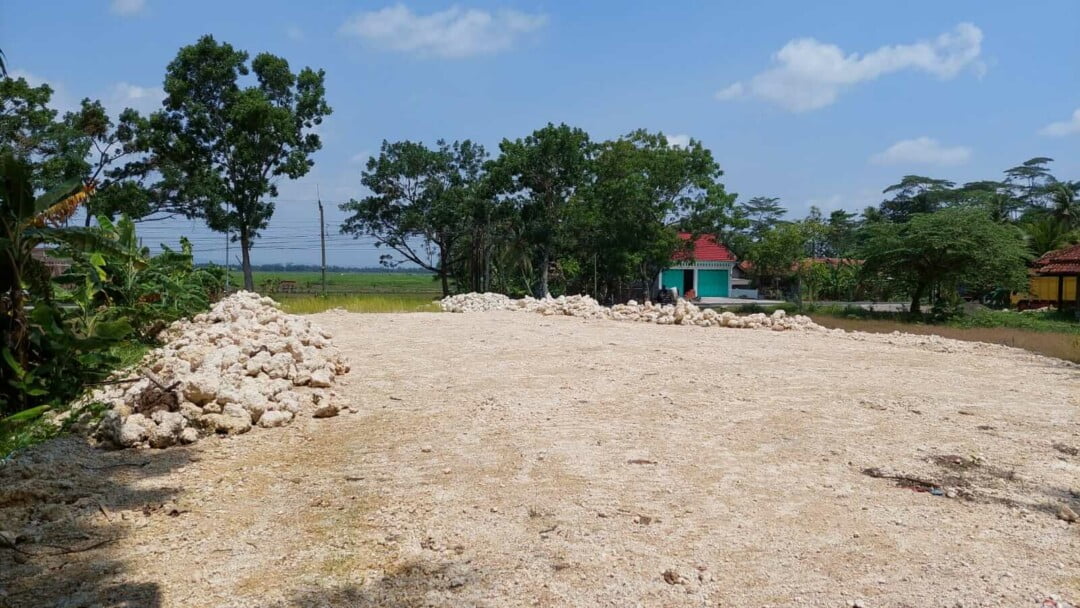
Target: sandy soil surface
510 459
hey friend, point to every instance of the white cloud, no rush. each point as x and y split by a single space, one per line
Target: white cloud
733 91
810 74
1064 127
922 150
453 33
127 8
126 95
678 141
294 33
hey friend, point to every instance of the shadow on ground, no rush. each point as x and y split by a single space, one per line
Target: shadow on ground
411 584
65 508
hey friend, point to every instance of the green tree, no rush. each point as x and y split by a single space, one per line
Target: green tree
946 249
1046 233
763 213
223 144
996 197
541 173
99 146
1065 204
915 194
842 233
778 254
642 190
421 203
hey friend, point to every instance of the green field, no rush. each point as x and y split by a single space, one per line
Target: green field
356 302
396 283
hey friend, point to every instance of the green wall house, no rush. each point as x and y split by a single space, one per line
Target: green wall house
706 269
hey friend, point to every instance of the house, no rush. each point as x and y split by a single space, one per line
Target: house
706 269
56 266
1055 281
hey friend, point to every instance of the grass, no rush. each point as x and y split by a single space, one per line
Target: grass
395 283
366 303
1046 336
1047 333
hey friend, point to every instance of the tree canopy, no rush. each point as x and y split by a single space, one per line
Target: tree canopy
221 140
945 250
420 203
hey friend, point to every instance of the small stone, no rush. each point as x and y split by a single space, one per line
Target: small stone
426 449
672 577
1066 514
446 471
326 410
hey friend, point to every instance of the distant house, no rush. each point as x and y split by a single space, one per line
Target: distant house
706 269
1055 281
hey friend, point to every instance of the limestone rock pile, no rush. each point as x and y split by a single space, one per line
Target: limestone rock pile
244 363
476 302
681 313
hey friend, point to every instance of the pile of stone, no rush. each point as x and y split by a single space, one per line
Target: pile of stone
244 363
476 302
681 313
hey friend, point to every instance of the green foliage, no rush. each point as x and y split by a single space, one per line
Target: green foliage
777 254
623 225
763 213
540 174
221 145
947 249
423 202
114 279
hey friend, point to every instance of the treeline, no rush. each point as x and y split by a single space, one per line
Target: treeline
928 240
553 212
557 212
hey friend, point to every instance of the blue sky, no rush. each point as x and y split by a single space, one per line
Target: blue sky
816 103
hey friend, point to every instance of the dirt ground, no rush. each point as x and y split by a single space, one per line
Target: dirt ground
510 459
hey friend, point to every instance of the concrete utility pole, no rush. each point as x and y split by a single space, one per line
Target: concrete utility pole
322 238
227 261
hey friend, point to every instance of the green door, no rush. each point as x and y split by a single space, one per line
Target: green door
672 278
713 283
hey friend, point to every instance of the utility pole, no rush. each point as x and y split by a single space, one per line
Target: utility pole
322 238
227 271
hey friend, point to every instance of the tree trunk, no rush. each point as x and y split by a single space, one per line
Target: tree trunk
245 260
442 272
545 261
916 296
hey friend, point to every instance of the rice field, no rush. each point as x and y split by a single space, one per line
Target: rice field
366 303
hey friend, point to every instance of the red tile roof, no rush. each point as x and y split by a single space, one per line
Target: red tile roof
1061 262
706 249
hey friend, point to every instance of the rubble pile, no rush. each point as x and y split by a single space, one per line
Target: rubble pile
244 363
681 313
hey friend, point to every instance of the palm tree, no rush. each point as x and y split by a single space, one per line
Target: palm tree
1065 206
1047 233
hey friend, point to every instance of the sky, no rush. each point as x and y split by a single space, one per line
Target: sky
820 104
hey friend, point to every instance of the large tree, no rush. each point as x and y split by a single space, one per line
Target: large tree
778 253
643 190
763 213
541 173
915 194
421 202
222 139
952 247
